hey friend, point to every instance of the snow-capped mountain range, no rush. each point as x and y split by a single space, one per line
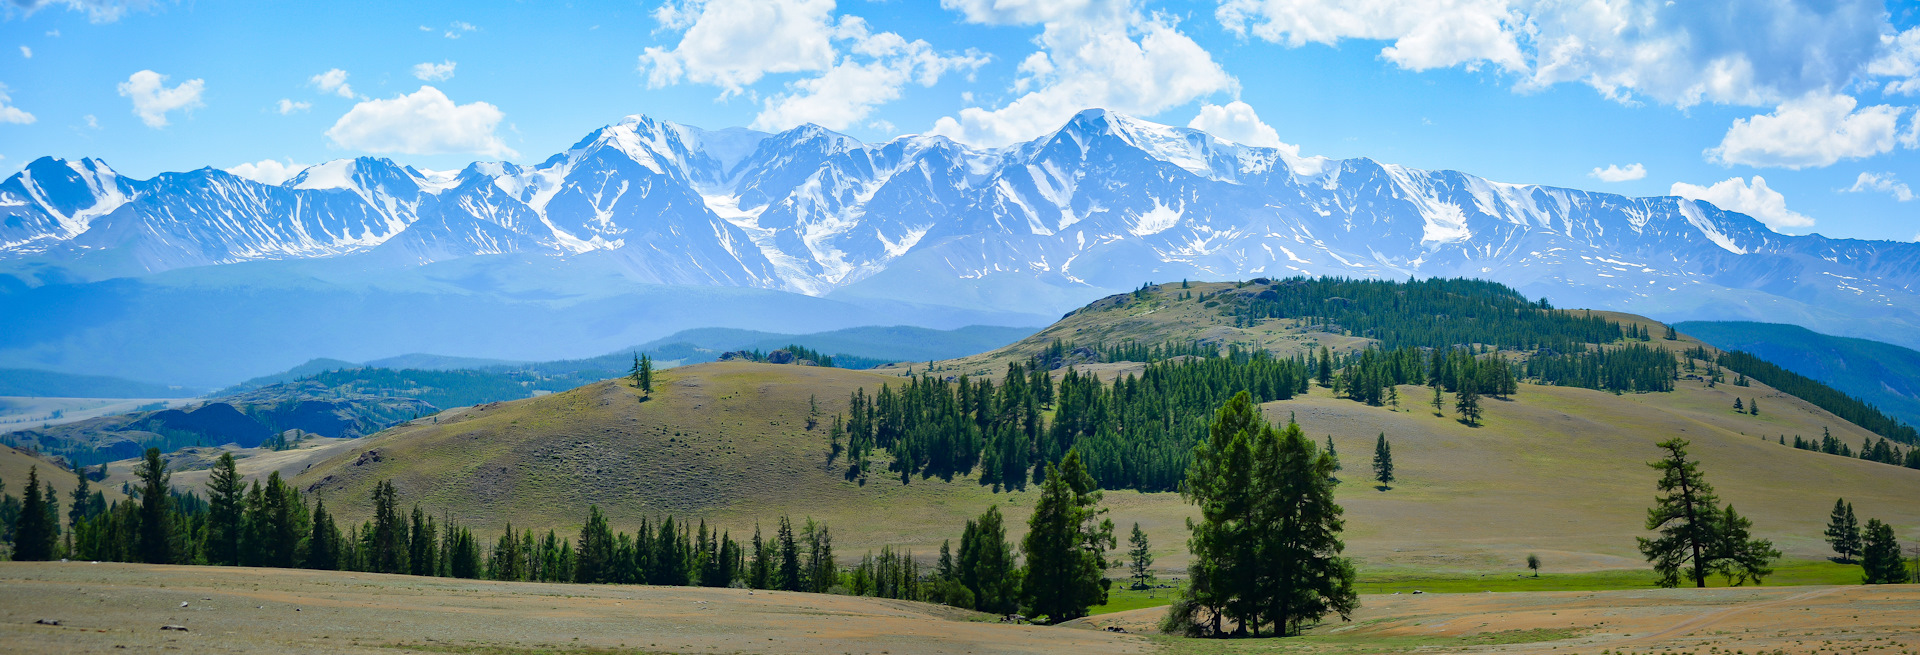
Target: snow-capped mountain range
1100 205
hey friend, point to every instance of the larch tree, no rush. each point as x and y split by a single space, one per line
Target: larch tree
1266 547
1880 555
1066 544
1843 531
985 564
1696 535
1739 556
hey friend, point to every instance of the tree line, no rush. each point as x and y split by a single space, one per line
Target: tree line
1136 432
1845 406
1433 313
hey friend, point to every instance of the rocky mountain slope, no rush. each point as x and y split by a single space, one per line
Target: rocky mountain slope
1034 229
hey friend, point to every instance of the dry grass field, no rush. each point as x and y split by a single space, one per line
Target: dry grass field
1555 471
114 608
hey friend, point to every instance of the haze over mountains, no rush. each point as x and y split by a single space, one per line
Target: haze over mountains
646 227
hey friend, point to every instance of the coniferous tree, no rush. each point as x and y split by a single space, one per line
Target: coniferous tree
1439 403
1697 535
33 533
86 503
1843 531
323 544
646 374
1140 558
387 536
986 564
1383 462
421 551
1533 562
1332 454
789 577
821 572
1739 556
1267 547
1325 373
593 560
1880 558
761 572
1466 402
1066 545
225 498
156 525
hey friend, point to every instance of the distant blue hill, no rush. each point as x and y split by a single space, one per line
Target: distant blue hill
48 384
1884 375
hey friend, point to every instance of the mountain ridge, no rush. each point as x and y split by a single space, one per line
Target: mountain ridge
1035 228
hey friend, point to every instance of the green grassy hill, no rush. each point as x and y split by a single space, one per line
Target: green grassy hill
1557 471
1886 375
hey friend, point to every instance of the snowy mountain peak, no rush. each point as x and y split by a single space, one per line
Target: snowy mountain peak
1099 205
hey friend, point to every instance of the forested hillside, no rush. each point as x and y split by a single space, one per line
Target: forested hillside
1882 374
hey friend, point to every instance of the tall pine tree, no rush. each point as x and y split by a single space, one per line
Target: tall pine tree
1066 545
1383 462
33 531
1843 531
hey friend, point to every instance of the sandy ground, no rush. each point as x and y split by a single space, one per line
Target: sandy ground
111 607
1851 619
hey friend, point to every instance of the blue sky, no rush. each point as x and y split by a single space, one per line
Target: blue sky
1802 114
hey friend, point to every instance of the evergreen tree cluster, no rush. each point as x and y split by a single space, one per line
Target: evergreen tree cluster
1852 409
1135 433
1872 450
1430 313
1629 369
1266 550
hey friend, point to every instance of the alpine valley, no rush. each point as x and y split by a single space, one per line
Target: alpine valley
645 227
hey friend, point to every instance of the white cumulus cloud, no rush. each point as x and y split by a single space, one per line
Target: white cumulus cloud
333 81
432 72
1092 53
872 72
97 11
26 52
732 44
424 122
456 29
1615 173
268 171
1881 182
152 99
1236 122
10 113
1899 58
1755 200
1747 52
288 106
1811 131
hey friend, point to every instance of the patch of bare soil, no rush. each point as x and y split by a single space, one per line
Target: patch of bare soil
111 607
